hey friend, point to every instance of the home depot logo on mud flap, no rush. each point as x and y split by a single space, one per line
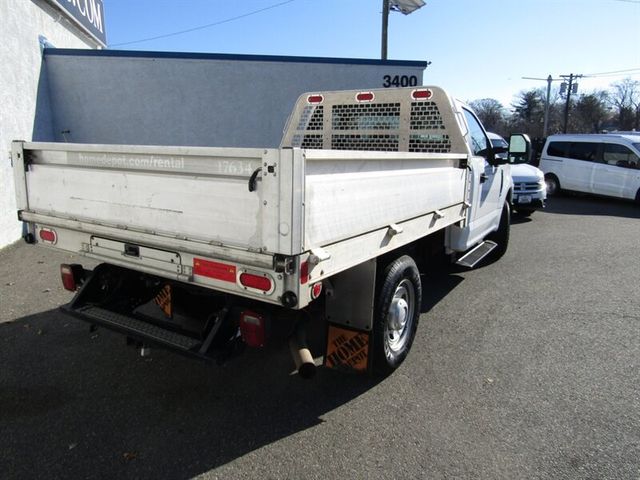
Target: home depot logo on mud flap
347 349
163 300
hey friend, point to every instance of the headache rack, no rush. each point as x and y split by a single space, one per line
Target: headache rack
390 120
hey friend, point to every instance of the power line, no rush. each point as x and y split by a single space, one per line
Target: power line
628 1
202 27
615 72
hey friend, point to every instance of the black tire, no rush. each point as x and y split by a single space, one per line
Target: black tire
501 236
638 197
524 213
553 184
397 311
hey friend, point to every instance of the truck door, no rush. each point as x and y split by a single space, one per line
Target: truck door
489 181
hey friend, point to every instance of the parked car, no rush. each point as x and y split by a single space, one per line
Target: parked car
601 164
529 188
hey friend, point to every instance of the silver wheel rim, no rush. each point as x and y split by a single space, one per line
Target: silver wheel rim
399 321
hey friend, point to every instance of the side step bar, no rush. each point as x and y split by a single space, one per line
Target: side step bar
476 254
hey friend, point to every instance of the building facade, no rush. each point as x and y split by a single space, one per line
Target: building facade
26 27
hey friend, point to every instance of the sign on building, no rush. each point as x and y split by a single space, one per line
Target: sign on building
88 14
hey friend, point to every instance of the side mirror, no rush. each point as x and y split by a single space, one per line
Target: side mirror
519 148
498 156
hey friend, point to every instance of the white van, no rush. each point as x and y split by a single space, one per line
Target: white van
602 164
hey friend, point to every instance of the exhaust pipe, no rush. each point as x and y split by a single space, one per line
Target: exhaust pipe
300 352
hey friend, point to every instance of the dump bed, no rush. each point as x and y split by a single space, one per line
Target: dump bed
350 166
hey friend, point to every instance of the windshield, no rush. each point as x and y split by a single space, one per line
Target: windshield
499 142
637 145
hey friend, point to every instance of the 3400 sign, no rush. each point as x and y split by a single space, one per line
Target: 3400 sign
399 81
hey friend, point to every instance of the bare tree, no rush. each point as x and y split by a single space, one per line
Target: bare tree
625 99
491 113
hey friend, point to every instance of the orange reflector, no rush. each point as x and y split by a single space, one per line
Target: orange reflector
314 99
365 97
48 235
424 94
258 282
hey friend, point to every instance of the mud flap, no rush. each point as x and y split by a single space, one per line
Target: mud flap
349 305
348 349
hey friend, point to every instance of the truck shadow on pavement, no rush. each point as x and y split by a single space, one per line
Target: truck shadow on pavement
577 204
81 404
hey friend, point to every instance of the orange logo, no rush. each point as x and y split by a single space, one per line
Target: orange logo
347 349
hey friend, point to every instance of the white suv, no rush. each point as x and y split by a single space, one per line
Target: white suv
529 188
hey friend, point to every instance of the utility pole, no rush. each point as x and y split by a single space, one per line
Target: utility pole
570 89
385 27
546 107
549 79
403 6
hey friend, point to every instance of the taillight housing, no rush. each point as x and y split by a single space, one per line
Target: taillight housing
253 328
257 281
316 290
48 235
72 276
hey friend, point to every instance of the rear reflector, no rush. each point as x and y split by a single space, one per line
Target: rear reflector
365 97
48 235
257 282
68 277
422 94
315 99
316 290
252 328
304 272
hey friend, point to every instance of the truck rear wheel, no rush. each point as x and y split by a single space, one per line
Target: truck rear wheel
398 301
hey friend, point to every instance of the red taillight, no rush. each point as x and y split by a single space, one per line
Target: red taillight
422 94
365 97
68 278
257 282
316 290
304 272
315 99
253 328
48 235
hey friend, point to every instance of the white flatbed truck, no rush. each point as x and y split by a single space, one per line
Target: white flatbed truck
206 250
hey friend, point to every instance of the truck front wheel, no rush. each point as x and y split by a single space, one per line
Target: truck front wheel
398 301
501 236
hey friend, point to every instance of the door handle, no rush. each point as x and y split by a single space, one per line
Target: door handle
483 177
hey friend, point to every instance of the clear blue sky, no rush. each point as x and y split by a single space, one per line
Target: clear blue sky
478 48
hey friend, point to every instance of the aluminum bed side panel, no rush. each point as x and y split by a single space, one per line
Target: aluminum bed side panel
346 198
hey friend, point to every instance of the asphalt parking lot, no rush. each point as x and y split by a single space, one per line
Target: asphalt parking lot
526 368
